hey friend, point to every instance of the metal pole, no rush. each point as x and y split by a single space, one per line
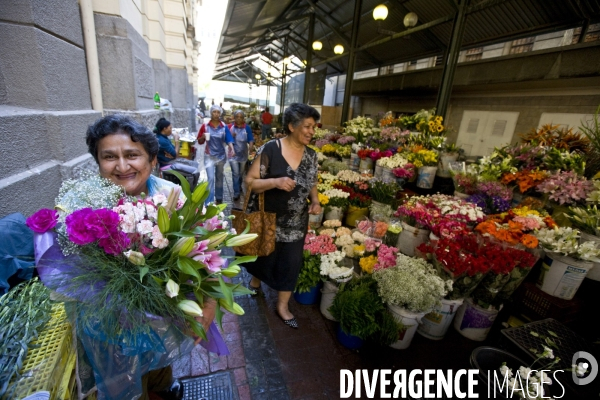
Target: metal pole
285 54
351 59
309 50
451 59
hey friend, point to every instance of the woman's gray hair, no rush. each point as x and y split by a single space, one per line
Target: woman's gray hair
215 107
236 112
296 113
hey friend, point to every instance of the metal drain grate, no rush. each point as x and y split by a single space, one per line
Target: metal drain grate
211 387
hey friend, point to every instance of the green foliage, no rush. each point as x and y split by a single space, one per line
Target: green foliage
361 313
383 191
310 273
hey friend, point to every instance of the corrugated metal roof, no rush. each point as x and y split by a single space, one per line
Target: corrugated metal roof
255 26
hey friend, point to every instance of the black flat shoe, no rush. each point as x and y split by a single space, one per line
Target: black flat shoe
292 322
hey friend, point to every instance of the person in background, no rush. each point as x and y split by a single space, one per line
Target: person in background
166 151
266 119
217 134
242 145
285 170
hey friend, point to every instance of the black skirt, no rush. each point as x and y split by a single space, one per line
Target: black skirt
280 269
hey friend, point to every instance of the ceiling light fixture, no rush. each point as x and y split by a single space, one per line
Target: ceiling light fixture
338 49
287 60
317 45
258 77
380 12
410 20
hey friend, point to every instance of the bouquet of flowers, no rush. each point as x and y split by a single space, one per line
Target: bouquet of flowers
394 134
407 171
310 272
321 133
345 140
585 219
525 179
412 284
348 176
465 182
332 269
514 229
330 150
383 191
364 153
378 154
394 161
319 143
423 158
494 166
525 156
343 151
489 204
361 128
337 198
556 159
566 241
386 257
566 187
140 269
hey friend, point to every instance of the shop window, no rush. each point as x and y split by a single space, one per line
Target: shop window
474 54
522 45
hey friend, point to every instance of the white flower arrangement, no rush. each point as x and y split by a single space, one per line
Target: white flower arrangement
412 284
343 231
450 205
329 266
332 223
347 175
566 241
357 146
321 157
359 236
344 240
594 196
395 161
336 193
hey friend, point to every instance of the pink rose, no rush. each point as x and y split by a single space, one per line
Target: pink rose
42 221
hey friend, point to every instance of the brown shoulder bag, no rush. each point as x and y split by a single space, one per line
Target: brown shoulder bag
261 223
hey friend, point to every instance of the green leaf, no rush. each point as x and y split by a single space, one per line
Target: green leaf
211 211
183 234
158 280
247 229
553 334
199 192
143 272
199 231
241 260
240 290
227 293
163 220
175 224
219 316
197 328
185 185
186 265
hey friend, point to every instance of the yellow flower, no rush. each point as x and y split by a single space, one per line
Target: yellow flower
439 119
367 263
431 125
440 128
359 249
323 199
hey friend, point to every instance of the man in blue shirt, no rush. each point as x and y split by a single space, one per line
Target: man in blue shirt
166 151
242 145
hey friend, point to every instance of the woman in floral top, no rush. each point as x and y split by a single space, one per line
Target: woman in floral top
285 170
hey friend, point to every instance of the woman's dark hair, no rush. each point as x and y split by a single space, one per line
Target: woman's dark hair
112 124
161 124
296 113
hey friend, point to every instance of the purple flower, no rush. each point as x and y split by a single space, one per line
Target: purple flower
212 260
77 229
115 244
103 223
212 223
42 221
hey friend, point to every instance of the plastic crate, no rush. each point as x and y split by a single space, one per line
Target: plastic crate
533 304
47 359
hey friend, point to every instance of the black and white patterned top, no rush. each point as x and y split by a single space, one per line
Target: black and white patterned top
291 207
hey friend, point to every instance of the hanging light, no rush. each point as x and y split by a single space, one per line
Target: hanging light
380 12
410 19
249 80
317 45
304 62
287 60
338 49
258 77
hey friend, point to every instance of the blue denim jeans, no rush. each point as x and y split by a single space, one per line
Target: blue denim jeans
265 131
214 173
237 175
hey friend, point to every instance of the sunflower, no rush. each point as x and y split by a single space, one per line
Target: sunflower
439 119
440 128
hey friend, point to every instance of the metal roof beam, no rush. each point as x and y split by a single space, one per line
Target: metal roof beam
246 46
266 26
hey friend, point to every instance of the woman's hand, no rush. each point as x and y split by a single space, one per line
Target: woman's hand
314 208
286 184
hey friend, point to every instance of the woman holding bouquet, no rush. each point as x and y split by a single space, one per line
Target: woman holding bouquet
285 170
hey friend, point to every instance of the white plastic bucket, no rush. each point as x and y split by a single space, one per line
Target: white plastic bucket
410 238
328 293
444 164
388 175
355 161
561 276
426 177
334 213
378 170
594 273
435 324
366 165
474 322
315 220
410 320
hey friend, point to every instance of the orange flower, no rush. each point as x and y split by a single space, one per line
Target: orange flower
488 226
549 222
529 241
508 178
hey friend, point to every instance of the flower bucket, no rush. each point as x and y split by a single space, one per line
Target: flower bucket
380 211
444 164
594 273
426 177
328 293
378 170
366 164
410 238
348 341
309 297
355 214
315 220
355 161
517 276
460 195
561 275
388 175
474 322
334 213
435 324
410 320
348 162
330 158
